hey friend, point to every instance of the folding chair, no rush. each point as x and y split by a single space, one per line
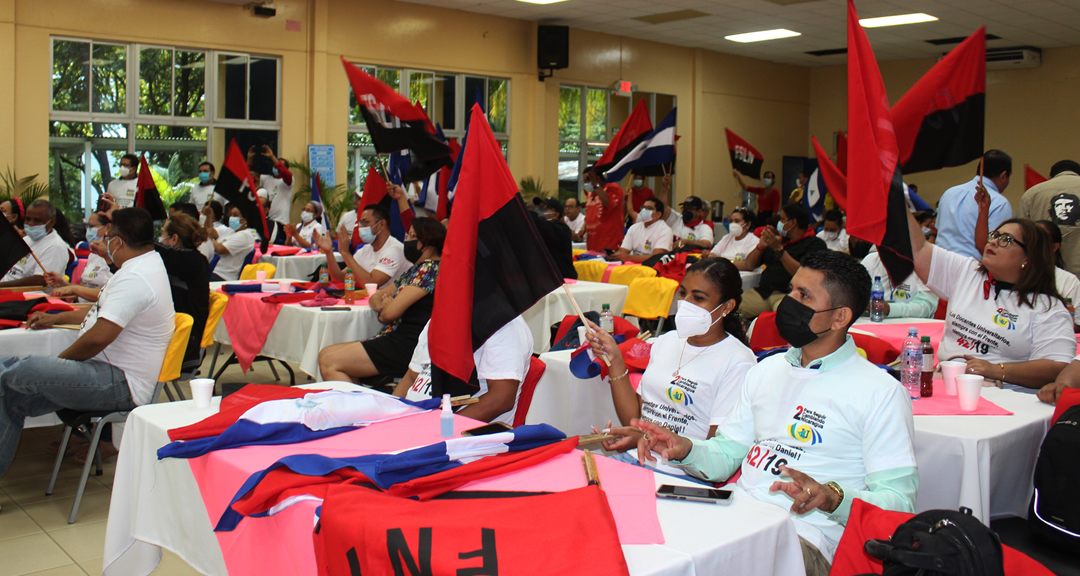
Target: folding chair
626 274
650 299
248 273
528 387
170 371
217 309
590 270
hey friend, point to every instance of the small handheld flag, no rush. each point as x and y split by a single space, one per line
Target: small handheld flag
146 192
657 149
633 131
13 247
235 185
744 157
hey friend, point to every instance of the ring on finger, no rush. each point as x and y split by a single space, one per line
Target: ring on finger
647 437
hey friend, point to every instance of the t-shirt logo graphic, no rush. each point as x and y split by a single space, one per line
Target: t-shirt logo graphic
679 396
1005 319
648 247
804 433
1065 210
900 294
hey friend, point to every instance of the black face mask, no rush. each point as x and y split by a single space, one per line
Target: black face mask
412 254
793 322
687 216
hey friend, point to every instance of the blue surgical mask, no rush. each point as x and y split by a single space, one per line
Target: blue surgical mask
204 177
366 236
767 181
91 235
275 173
234 222
589 187
108 249
36 232
638 182
646 214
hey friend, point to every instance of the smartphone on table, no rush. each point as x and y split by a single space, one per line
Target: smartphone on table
493 428
702 494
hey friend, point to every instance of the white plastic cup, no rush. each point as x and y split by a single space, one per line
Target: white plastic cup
260 275
968 390
284 286
581 334
371 288
950 369
202 390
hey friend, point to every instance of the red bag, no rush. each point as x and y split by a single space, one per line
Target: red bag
362 531
675 268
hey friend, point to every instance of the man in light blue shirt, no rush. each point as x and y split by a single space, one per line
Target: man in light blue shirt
958 212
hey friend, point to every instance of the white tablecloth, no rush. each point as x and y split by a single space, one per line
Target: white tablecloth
50 342
556 305
750 279
298 265
156 504
982 462
579 246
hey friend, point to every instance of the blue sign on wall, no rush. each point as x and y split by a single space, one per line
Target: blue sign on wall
321 160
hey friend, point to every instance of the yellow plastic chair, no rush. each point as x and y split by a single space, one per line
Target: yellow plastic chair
170 372
625 275
218 301
650 299
249 271
590 270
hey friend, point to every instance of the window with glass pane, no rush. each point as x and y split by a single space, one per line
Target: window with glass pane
174 154
71 145
420 87
232 86
189 84
155 81
569 113
109 78
596 115
71 76
498 100
443 110
262 98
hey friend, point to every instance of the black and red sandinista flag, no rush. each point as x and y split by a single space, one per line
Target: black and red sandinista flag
494 264
877 211
1031 177
632 132
940 121
744 157
234 183
146 193
835 180
395 124
12 246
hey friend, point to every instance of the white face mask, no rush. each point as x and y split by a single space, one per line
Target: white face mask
831 235
36 232
767 181
307 217
638 182
735 229
646 214
124 171
693 320
926 231
589 187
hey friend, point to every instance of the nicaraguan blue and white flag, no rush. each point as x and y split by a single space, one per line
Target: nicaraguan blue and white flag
914 202
813 198
658 148
383 470
314 416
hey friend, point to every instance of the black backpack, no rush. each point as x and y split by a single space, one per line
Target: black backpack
939 542
1054 513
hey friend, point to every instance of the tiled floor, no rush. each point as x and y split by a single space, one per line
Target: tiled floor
35 537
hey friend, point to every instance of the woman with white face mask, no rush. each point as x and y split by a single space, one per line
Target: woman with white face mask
740 239
97 271
310 222
695 372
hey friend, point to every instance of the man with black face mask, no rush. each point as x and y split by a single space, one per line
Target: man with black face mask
814 428
691 230
780 250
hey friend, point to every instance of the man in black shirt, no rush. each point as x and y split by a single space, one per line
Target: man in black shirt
780 251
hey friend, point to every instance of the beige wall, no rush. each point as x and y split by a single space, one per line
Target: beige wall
1031 114
765 103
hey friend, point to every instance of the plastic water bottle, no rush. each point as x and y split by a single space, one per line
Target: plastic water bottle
607 319
911 364
926 389
446 419
324 277
350 286
877 300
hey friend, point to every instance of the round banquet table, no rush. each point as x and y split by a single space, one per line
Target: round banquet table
556 306
301 265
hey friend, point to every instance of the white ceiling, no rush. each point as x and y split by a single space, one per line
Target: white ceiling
1040 23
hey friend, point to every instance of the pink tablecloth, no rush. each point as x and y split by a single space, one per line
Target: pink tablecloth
282 544
941 404
248 320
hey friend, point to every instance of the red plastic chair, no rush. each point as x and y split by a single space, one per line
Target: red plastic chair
766 336
536 370
942 305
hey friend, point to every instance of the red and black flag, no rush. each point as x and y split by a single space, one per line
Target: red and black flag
395 125
744 157
940 121
375 194
1031 177
494 264
877 211
633 131
12 246
234 183
841 152
835 180
146 192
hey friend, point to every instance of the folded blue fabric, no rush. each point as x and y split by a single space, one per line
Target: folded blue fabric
584 367
238 288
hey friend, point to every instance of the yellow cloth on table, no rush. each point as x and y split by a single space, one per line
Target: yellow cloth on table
576 252
251 269
626 274
650 298
590 270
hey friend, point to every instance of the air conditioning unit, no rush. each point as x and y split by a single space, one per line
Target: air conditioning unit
1013 58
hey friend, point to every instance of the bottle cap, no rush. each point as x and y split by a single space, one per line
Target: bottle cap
877 278
348 270
605 307
925 338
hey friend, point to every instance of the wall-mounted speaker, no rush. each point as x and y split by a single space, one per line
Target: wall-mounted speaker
552 47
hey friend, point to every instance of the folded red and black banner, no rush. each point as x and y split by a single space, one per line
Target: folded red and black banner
146 192
744 157
12 246
494 264
235 184
940 121
632 132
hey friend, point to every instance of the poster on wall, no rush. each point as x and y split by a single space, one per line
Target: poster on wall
321 161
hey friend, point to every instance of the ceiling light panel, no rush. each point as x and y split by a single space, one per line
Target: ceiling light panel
898 20
762 35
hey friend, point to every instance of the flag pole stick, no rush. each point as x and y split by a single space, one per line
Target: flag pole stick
981 162
581 315
40 265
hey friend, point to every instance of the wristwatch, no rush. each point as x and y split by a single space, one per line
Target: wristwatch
780 253
832 485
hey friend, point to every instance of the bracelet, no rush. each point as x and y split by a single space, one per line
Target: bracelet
1002 365
623 375
832 485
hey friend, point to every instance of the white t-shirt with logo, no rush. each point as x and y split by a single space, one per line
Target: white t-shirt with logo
996 328
699 232
839 244
576 225
207 248
390 259
138 299
239 245
306 231
840 424
1068 285
53 252
735 250
96 273
202 194
505 356
641 240
123 191
905 292
280 196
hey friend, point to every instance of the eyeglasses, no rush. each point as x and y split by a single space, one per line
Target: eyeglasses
1003 239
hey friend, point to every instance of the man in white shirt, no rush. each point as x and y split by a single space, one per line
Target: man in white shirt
501 365
234 248
379 261
114 364
348 220
123 188
832 231
649 236
815 428
278 184
203 192
691 230
46 244
575 219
